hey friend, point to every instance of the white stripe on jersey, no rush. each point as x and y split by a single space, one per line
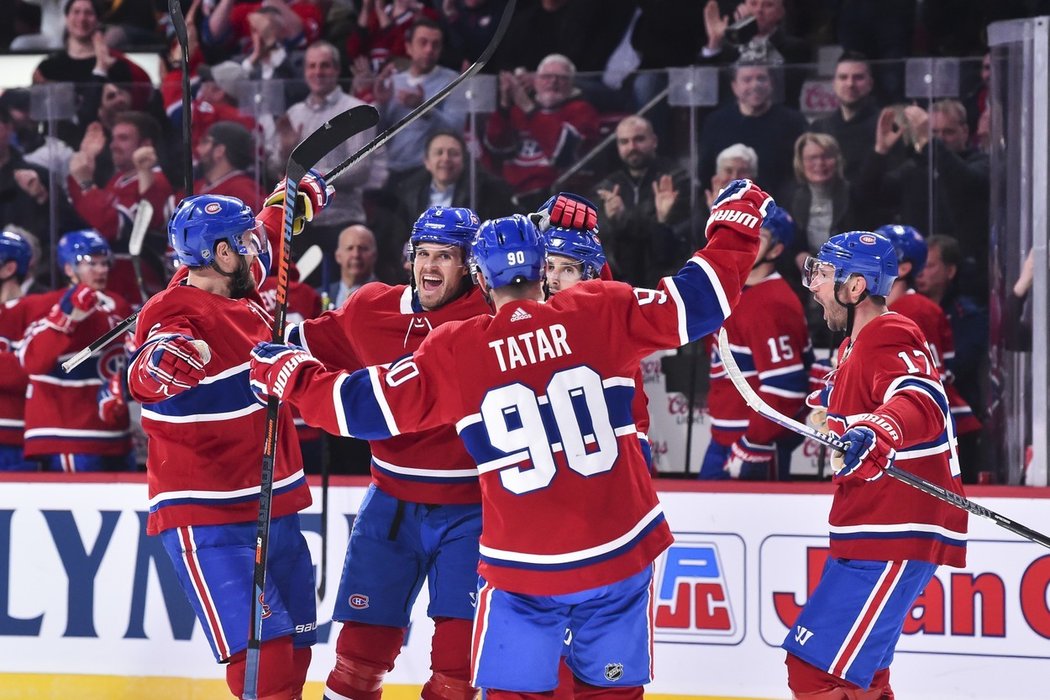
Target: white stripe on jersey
337 403
676 297
74 433
579 555
221 495
716 284
432 473
898 527
377 390
48 379
204 417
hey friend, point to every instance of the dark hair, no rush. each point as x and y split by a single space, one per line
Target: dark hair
5 114
422 21
146 125
236 139
951 253
451 133
854 57
69 5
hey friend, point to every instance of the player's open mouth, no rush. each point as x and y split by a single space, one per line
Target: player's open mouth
431 283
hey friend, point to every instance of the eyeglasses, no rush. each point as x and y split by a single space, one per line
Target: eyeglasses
553 76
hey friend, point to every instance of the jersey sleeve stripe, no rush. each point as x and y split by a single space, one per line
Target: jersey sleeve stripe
778 371
679 304
716 285
380 397
337 403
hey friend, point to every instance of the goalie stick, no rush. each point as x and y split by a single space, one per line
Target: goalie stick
303 157
756 403
338 170
425 107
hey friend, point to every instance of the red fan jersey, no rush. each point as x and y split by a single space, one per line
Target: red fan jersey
204 463
61 411
15 317
377 325
541 395
770 342
934 324
887 520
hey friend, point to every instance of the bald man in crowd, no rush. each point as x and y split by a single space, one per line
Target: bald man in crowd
356 256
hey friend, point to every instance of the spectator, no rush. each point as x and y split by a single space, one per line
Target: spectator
383 28
64 428
445 181
853 123
959 182
268 58
736 162
110 209
86 60
754 120
327 99
31 138
771 44
133 23
539 134
216 99
171 67
823 203
227 30
883 32
471 25
356 257
223 157
642 201
52 26
968 316
398 93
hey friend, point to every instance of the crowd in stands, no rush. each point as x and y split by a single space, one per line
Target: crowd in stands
569 75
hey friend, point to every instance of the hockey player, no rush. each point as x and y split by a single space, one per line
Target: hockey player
933 322
15 253
543 402
64 430
206 434
770 343
887 538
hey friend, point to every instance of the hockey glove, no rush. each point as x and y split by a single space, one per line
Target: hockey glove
749 461
76 304
566 210
112 408
741 206
817 402
273 368
170 366
872 447
312 197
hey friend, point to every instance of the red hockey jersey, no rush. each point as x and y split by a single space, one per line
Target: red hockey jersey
886 519
61 410
377 325
15 317
206 443
770 342
541 394
934 324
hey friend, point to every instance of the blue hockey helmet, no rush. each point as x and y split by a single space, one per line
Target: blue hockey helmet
199 222
575 244
509 250
780 226
870 255
446 226
75 246
14 247
909 244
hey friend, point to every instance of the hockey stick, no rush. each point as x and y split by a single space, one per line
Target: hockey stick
309 261
178 21
139 225
338 170
326 454
303 157
753 400
425 107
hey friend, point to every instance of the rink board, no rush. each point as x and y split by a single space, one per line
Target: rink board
89 606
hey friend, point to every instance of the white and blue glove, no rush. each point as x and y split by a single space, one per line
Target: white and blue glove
749 461
742 206
273 369
872 446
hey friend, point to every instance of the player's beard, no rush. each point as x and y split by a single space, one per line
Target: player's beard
241 281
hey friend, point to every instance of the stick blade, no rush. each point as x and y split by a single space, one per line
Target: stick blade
327 137
309 261
178 21
139 226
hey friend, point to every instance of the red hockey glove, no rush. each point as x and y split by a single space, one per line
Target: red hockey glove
112 407
170 366
273 368
312 197
749 461
742 206
872 447
76 304
566 210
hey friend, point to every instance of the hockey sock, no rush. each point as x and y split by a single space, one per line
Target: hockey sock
450 661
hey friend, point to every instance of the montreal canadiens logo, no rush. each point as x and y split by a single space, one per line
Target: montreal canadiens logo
212 208
358 601
868 239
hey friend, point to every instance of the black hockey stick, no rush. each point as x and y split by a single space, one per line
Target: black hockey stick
326 453
425 107
338 170
762 408
179 23
303 157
